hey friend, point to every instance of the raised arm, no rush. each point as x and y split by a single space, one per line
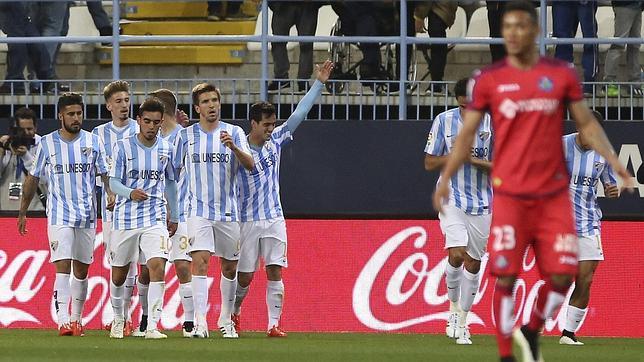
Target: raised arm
588 126
306 103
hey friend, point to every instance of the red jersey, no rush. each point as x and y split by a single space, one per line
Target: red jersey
527 108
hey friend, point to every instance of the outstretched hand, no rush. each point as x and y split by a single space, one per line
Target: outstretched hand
323 72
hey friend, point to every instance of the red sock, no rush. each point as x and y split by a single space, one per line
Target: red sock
549 299
503 306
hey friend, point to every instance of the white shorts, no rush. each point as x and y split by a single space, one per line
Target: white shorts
127 245
220 238
265 238
590 248
68 242
463 230
179 244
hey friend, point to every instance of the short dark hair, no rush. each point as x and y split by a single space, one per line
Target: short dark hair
151 105
69 99
203 88
522 5
460 89
24 113
168 98
115 87
260 109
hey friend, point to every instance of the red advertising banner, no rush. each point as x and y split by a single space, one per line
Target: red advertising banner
353 275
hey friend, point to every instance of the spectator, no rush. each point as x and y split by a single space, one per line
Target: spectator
49 17
17 151
628 24
494 15
566 17
99 17
304 16
441 15
15 22
227 10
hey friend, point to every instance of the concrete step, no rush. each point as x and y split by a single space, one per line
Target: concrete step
166 9
176 54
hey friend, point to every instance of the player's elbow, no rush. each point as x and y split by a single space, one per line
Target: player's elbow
431 163
248 164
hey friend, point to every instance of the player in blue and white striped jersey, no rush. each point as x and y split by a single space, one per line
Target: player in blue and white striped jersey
210 153
142 177
117 102
70 159
465 220
587 170
263 229
180 250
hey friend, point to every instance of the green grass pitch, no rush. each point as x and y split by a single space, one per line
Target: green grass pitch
45 345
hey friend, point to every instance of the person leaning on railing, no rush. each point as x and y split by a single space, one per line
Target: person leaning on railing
17 151
628 24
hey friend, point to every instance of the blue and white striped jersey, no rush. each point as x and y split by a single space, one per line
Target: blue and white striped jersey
211 170
182 185
71 169
470 187
139 167
259 189
109 134
587 169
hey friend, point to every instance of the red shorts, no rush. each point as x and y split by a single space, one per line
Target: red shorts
545 223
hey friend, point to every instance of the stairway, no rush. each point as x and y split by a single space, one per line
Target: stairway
178 18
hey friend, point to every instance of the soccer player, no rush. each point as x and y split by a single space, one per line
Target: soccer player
263 229
526 96
210 153
587 169
143 170
180 250
117 102
70 159
465 219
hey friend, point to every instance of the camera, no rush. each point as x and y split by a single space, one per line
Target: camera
17 138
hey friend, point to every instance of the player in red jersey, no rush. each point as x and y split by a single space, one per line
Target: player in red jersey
527 95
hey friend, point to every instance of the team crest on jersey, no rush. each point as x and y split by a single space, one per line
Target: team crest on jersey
162 158
545 84
430 138
501 262
598 165
53 245
484 135
86 150
195 158
133 174
58 169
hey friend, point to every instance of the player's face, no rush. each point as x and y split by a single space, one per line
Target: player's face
119 105
71 118
149 124
209 106
265 127
519 32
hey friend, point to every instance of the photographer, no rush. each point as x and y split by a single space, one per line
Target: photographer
16 157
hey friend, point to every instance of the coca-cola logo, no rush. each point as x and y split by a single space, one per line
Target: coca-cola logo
426 279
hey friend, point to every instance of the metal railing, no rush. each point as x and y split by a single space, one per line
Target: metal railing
403 99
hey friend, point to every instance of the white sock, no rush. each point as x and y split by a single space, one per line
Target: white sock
227 288
143 296
155 296
61 297
453 282
200 296
79 295
574 317
185 293
116 296
469 287
240 294
274 302
554 301
130 281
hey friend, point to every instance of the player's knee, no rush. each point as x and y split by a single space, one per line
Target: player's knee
228 268
472 265
244 279
456 256
183 272
561 281
274 272
506 281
